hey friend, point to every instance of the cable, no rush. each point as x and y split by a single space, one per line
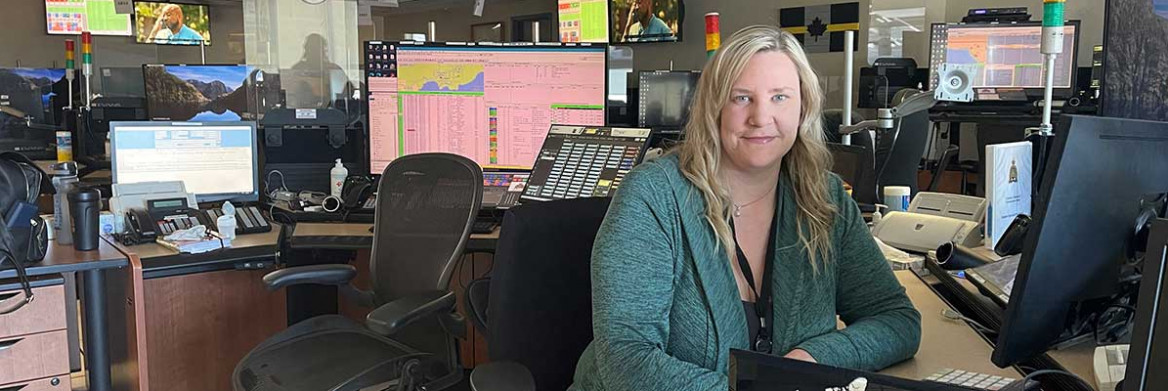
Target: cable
954 315
1020 385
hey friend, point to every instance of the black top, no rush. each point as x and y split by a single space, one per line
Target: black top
752 320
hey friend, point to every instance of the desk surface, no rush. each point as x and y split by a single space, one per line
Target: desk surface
64 259
945 343
357 236
160 261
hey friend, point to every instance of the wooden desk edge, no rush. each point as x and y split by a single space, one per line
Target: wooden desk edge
137 368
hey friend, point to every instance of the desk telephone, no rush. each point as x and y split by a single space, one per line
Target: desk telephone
162 217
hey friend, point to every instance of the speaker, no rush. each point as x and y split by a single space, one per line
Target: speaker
956 83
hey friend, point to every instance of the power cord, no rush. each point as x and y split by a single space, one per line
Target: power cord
1020 385
954 315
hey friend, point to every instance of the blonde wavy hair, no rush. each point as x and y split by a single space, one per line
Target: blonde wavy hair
805 165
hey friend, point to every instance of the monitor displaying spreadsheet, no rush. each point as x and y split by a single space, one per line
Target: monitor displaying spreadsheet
215 160
492 103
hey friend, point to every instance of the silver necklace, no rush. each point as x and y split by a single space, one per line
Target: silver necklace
738 208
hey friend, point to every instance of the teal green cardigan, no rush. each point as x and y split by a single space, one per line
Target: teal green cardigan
666 309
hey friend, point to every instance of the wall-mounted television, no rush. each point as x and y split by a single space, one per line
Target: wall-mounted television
646 20
172 23
99 17
583 20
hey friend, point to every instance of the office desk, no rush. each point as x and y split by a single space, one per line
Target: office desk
202 315
945 343
64 260
159 261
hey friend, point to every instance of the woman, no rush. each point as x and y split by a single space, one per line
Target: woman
741 239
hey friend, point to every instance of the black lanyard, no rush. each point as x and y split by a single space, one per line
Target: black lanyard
763 302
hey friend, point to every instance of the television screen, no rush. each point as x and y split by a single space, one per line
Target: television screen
172 24
646 20
583 21
493 104
71 17
198 92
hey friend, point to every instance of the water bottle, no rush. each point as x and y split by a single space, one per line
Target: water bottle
84 206
65 182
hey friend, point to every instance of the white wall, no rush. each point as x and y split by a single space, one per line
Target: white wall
454 18
25 43
1090 12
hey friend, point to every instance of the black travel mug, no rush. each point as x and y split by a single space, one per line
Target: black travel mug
83 208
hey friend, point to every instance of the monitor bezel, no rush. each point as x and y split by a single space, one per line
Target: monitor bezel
201 198
368 158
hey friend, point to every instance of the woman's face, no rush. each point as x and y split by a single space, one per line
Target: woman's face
761 119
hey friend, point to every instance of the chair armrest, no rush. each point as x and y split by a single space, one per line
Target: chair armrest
392 317
501 375
314 274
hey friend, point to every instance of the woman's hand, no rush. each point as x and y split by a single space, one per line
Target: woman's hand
801 355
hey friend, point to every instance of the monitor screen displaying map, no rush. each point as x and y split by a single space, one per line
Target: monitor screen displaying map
492 103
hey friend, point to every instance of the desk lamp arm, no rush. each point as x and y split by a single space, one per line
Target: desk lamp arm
886 118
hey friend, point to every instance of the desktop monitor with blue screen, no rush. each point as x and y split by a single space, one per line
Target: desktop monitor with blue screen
216 161
199 92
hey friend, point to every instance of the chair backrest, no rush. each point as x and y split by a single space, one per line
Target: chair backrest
540 306
854 165
898 154
426 204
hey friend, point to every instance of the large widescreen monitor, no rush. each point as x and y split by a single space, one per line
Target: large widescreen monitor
216 161
492 103
1007 56
99 17
583 20
172 24
646 20
199 92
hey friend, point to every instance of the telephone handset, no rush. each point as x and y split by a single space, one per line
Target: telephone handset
140 228
356 192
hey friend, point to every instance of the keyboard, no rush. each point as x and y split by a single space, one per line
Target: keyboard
975 381
1110 366
483 227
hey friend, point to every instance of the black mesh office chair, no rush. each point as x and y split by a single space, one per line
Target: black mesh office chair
425 207
862 179
540 296
898 153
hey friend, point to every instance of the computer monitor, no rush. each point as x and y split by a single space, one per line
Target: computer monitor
492 103
217 161
502 189
585 161
1149 352
122 82
1100 175
36 97
1007 56
199 92
664 98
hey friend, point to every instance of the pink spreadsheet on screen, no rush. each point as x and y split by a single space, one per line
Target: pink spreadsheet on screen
493 105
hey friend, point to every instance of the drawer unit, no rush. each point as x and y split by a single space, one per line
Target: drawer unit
46 312
34 356
55 383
